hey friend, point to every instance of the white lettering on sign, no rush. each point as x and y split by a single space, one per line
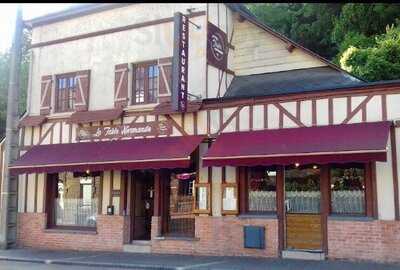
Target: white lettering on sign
125 130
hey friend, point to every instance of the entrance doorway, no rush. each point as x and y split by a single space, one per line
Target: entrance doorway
303 228
142 204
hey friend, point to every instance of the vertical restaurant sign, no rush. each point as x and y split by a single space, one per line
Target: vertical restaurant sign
180 63
217 44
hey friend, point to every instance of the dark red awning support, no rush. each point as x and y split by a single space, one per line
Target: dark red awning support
149 153
362 142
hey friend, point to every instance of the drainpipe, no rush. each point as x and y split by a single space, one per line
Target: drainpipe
9 192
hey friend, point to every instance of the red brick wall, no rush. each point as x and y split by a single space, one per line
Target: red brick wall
376 240
109 237
221 236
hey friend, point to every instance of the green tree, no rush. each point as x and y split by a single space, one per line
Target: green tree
380 61
308 24
4 77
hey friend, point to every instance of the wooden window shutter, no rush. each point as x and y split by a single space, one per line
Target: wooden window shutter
45 95
165 79
121 85
82 90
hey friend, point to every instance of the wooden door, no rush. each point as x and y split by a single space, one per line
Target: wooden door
143 204
302 205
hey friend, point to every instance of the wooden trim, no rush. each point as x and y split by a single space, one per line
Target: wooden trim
176 125
317 95
157 194
384 107
112 30
283 111
123 193
195 209
110 199
229 120
36 194
330 110
348 106
223 187
374 190
251 110
395 172
223 174
314 112
26 194
43 137
195 131
100 199
369 191
325 204
361 106
265 116
241 172
280 207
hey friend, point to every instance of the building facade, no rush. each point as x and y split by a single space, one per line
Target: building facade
278 150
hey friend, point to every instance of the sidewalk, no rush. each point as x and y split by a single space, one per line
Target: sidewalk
178 262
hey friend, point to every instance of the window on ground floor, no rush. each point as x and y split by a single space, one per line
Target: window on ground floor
348 189
181 201
261 189
75 202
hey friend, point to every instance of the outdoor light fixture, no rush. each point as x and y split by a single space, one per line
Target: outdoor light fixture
297 165
87 171
315 167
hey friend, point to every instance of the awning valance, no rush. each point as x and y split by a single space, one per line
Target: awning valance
32 120
360 142
148 153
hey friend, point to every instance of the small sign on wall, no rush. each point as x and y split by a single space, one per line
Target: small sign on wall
125 130
217 44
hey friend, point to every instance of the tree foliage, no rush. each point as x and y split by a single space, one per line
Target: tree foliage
347 34
378 62
4 77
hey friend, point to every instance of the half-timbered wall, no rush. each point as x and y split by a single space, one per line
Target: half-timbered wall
269 113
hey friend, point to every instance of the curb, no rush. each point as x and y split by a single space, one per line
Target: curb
91 264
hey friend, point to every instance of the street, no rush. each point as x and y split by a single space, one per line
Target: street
9 265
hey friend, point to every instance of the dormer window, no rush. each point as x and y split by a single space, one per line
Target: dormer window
145 83
66 86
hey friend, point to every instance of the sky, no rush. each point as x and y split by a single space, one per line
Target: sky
30 11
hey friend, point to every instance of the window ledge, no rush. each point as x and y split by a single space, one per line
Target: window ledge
70 231
176 238
58 115
258 216
350 218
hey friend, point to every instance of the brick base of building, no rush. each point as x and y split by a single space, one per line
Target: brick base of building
109 235
376 240
222 236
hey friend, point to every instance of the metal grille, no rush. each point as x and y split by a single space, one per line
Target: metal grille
75 212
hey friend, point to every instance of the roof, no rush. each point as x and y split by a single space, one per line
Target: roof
289 82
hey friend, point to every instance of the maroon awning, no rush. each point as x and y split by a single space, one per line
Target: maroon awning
361 142
151 153
32 120
95 116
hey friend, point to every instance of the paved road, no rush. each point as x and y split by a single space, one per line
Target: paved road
5 265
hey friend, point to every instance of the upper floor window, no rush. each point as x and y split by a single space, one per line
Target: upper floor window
66 86
145 83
